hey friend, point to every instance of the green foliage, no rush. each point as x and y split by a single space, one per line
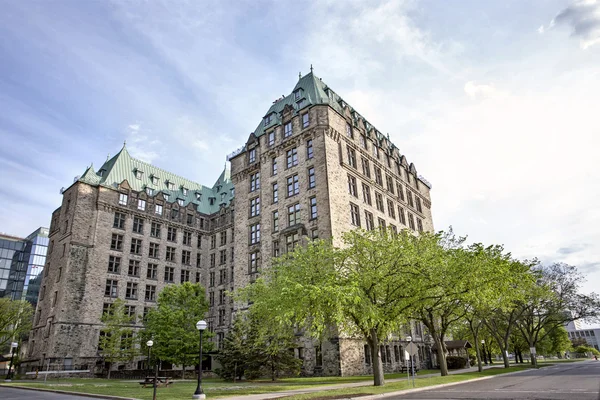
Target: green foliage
456 362
117 343
234 354
587 349
172 324
15 321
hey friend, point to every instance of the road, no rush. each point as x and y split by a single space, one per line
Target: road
571 381
8 393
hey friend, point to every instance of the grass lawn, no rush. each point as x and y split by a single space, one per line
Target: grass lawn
215 388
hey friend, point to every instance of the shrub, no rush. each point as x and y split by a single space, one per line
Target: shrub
456 362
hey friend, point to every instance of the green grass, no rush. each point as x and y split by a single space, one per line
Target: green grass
216 388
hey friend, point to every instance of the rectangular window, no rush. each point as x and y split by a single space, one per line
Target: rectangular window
141 205
293 187
186 257
114 264
352 186
309 149
150 293
419 225
391 209
275 221
213 241
271 138
136 246
354 215
313 207
275 248
130 312
255 181
158 209
291 241
149 191
418 202
116 242
131 290
409 198
170 255
366 168
381 223
351 156
152 271
311 178
291 157
213 259
155 230
119 221
378 177
211 278
211 299
138 225
255 207
390 184
221 322
305 120
411 221
255 234
253 263
122 199
363 142
274 166
369 221
171 234
275 193
293 214
134 268
169 274
198 260
400 191
375 151
287 130
111 288
223 238
394 229
185 275
222 257
379 201
349 131
401 216
366 193
252 156
187 238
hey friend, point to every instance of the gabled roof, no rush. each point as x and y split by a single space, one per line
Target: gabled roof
123 167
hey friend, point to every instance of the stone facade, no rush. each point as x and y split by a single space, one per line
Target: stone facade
314 168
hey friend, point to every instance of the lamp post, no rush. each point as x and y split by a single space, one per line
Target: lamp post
199 394
13 348
412 364
149 344
484 357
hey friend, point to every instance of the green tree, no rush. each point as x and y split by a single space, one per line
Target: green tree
116 342
172 324
15 321
235 353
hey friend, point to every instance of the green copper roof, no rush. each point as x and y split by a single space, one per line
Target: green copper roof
142 176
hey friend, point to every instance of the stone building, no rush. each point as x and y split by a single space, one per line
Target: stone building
313 168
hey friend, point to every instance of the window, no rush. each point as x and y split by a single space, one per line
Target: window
150 293
199 244
269 119
419 225
391 209
349 131
375 151
198 260
119 221
401 216
275 193
287 130
311 178
221 322
381 222
379 201
213 261
149 191
138 174
351 157
166 196
180 202
222 276
354 215
255 207
255 181
366 169
313 207
212 279
131 290
171 234
158 209
378 177
297 94
141 204
252 156
116 242
369 221
111 288
152 271
169 274
223 237
394 229
254 233
154 180
130 312
411 221
352 186
363 142
213 241
222 257
114 264
211 300
122 199
418 201
275 248
185 275
292 185
400 191
155 230
138 225
170 255
274 166
291 157
305 120
366 193
291 241
186 257
187 238
309 149
271 138
293 214
253 263
136 246
390 184
275 221
134 268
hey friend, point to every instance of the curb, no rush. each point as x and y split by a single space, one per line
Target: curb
92 395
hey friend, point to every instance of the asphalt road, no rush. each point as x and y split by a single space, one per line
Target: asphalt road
8 393
570 381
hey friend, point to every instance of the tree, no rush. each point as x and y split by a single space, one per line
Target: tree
234 354
172 324
363 289
116 342
15 321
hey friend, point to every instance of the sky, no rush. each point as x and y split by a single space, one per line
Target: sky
495 102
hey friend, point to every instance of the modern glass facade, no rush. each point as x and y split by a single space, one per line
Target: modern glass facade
21 265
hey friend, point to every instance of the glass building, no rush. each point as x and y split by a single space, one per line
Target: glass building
21 264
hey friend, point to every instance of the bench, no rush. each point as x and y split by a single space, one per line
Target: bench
162 381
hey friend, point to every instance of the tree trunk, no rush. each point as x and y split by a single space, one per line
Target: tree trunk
441 355
272 371
505 359
109 365
378 378
521 356
478 351
183 372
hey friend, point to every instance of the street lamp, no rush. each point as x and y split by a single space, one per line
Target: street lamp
412 364
199 394
483 349
149 344
13 348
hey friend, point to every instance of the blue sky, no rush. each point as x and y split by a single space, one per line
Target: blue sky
495 102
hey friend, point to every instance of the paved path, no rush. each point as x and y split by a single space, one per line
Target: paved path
8 393
572 381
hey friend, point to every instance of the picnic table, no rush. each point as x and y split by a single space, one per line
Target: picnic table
160 381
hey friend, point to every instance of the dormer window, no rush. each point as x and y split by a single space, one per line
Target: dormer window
101 172
154 180
180 202
184 191
232 192
223 196
252 156
166 196
139 173
149 191
170 185
269 119
211 200
298 94
198 196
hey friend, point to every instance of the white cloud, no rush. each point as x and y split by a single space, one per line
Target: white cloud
481 91
540 29
583 17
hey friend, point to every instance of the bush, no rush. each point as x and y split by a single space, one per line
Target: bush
456 362
586 349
